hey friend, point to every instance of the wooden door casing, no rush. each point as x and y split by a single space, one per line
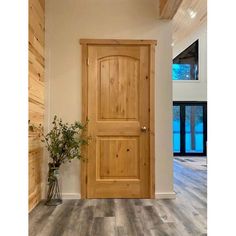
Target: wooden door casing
118 101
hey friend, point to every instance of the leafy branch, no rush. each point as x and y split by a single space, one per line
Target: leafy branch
64 141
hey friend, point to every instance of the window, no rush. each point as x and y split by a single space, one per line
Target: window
176 129
185 65
194 129
189 128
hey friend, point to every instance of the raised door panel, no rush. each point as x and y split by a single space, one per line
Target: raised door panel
118 88
118 158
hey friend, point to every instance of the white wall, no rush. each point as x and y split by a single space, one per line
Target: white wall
67 21
193 90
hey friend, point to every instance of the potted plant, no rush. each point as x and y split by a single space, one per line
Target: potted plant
63 142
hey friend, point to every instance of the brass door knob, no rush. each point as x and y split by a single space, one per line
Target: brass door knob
144 129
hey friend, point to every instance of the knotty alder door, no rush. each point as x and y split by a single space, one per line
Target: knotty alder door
118 109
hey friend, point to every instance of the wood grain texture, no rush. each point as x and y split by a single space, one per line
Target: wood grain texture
118 158
184 216
168 8
36 96
118 105
183 24
118 88
83 164
117 41
152 121
128 128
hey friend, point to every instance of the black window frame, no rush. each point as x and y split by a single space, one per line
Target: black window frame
193 50
182 105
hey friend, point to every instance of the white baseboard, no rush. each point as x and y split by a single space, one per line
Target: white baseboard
71 196
165 195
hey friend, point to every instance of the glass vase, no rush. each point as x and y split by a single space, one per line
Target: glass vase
54 191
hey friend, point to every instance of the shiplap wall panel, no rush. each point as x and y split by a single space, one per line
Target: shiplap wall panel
183 24
36 96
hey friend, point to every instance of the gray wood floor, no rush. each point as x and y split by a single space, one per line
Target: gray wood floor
185 215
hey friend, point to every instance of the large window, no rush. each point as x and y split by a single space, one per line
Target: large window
189 128
185 65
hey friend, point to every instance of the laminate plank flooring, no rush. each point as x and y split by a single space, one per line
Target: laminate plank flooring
185 215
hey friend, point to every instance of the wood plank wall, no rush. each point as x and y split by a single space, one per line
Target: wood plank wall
36 96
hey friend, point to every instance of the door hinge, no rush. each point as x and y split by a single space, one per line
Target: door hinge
86 179
87 61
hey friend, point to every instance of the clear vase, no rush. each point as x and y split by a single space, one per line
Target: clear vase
54 191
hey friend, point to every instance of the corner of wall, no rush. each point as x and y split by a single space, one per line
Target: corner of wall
165 195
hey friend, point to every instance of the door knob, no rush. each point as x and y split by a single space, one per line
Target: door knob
144 129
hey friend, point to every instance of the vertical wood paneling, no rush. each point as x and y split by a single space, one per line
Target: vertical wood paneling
36 96
183 24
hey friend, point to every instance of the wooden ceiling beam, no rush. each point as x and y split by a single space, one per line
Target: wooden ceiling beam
168 8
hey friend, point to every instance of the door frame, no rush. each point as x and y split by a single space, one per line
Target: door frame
85 43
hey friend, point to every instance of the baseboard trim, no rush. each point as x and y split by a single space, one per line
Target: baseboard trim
71 196
165 195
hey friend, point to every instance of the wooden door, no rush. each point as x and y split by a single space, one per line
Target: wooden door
118 109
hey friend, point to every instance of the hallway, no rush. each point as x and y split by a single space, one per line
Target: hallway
185 215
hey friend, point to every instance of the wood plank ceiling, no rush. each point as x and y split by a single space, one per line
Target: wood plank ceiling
190 15
35 96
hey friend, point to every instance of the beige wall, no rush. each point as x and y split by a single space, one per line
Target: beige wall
69 20
193 90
